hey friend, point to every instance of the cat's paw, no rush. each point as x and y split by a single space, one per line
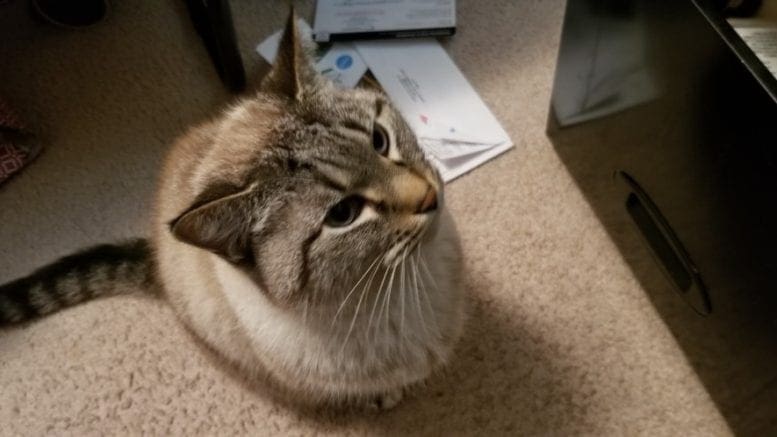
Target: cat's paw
388 400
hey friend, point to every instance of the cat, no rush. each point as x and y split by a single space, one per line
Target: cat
302 235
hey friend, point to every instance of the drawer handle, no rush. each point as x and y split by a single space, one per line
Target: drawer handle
665 246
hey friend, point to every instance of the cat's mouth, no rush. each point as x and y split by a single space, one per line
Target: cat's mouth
405 246
408 243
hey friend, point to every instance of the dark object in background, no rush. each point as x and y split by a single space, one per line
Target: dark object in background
666 120
71 13
739 8
212 20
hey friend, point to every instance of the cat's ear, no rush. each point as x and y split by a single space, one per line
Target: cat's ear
292 69
368 82
221 226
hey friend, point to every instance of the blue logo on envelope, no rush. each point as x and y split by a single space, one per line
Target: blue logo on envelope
344 62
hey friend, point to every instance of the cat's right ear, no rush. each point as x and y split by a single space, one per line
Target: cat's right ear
221 226
369 82
292 69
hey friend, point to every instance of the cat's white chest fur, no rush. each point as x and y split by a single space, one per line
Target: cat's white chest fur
284 343
278 336
293 348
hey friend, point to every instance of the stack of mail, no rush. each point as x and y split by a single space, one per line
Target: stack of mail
454 127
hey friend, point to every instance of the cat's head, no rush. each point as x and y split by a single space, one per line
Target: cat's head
305 185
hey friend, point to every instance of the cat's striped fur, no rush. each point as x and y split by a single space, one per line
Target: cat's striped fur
104 270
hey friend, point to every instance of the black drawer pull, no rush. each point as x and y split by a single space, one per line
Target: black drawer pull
658 243
665 246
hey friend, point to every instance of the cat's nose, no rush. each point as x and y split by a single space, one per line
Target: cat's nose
411 193
429 202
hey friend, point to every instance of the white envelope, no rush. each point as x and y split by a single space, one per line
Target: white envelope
453 125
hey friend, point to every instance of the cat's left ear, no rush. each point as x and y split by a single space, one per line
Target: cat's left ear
221 226
292 71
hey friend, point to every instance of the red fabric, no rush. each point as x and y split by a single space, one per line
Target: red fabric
11 160
14 154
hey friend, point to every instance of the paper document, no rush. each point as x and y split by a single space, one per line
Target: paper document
349 19
453 125
338 62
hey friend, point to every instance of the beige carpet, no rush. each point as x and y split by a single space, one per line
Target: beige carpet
562 339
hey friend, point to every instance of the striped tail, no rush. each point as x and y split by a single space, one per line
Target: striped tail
104 270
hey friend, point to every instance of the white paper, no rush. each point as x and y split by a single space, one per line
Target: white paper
339 62
453 125
349 16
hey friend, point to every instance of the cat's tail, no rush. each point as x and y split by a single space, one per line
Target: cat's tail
104 270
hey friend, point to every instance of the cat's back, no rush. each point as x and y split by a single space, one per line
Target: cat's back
180 267
195 165
174 190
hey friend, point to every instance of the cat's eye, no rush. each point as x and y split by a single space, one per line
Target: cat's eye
380 140
344 212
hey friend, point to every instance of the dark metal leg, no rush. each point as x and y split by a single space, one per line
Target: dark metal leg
213 21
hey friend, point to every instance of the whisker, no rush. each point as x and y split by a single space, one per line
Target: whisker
402 295
305 311
428 272
342 305
365 288
417 292
408 243
377 296
386 302
425 294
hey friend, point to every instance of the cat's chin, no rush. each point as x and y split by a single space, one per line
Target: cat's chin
437 222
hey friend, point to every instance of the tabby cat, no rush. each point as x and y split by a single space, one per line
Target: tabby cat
302 235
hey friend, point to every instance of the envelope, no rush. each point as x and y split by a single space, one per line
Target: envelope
453 124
